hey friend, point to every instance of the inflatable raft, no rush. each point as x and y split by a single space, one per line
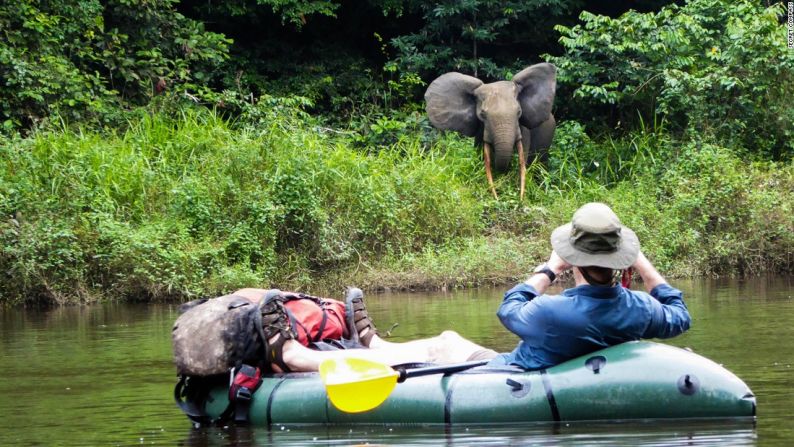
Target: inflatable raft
635 380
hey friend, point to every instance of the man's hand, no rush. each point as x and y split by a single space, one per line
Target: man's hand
540 281
650 277
557 264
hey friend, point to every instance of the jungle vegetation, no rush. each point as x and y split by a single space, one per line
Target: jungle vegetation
165 149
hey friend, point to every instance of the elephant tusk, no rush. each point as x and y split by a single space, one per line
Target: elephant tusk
522 163
487 157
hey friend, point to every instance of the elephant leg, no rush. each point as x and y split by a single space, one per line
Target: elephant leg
522 170
487 156
541 138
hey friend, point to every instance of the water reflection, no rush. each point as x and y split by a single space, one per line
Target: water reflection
650 433
102 375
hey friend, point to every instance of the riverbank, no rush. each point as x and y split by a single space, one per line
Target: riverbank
194 205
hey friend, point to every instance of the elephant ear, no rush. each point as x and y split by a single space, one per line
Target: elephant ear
538 84
451 104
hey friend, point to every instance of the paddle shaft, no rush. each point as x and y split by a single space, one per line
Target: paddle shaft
442 369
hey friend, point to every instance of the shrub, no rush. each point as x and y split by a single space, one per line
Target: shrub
737 212
80 61
191 206
710 67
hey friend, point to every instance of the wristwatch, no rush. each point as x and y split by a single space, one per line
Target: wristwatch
544 268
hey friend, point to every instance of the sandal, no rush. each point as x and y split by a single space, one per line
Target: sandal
357 319
275 322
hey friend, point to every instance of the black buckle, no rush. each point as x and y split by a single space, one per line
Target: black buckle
243 393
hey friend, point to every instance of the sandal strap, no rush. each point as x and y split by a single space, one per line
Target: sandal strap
273 354
363 322
358 305
276 323
357 319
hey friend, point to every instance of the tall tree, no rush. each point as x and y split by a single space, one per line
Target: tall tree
482 37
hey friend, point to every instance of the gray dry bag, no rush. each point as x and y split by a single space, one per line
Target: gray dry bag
212 336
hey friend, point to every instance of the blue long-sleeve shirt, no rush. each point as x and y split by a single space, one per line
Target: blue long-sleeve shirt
556 328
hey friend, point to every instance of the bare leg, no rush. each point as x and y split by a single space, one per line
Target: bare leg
449 347
453 348
487 156
301 358
522 163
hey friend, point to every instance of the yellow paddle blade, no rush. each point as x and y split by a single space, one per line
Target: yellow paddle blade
356 385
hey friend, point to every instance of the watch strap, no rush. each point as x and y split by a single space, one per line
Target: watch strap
548 272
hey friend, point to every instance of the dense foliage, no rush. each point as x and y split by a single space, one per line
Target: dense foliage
143 156
191 206
482 37
89 60
712 67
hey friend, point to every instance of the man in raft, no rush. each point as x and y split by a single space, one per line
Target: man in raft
599 312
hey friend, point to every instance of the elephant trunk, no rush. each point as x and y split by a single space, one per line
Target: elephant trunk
503 139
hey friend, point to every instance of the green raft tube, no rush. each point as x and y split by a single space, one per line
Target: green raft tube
634 380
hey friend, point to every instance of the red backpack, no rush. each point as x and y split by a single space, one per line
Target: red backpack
314 318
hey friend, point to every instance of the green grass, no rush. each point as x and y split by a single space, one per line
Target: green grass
194 205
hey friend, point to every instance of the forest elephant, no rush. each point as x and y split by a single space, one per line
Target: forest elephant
502 116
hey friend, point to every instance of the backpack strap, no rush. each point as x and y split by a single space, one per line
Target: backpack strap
186 399
260 330
251 338
295 323
190 394
245 382
319 335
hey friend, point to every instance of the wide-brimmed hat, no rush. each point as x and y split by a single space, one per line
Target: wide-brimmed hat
595 237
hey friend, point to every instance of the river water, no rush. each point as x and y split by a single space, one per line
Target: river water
102 375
